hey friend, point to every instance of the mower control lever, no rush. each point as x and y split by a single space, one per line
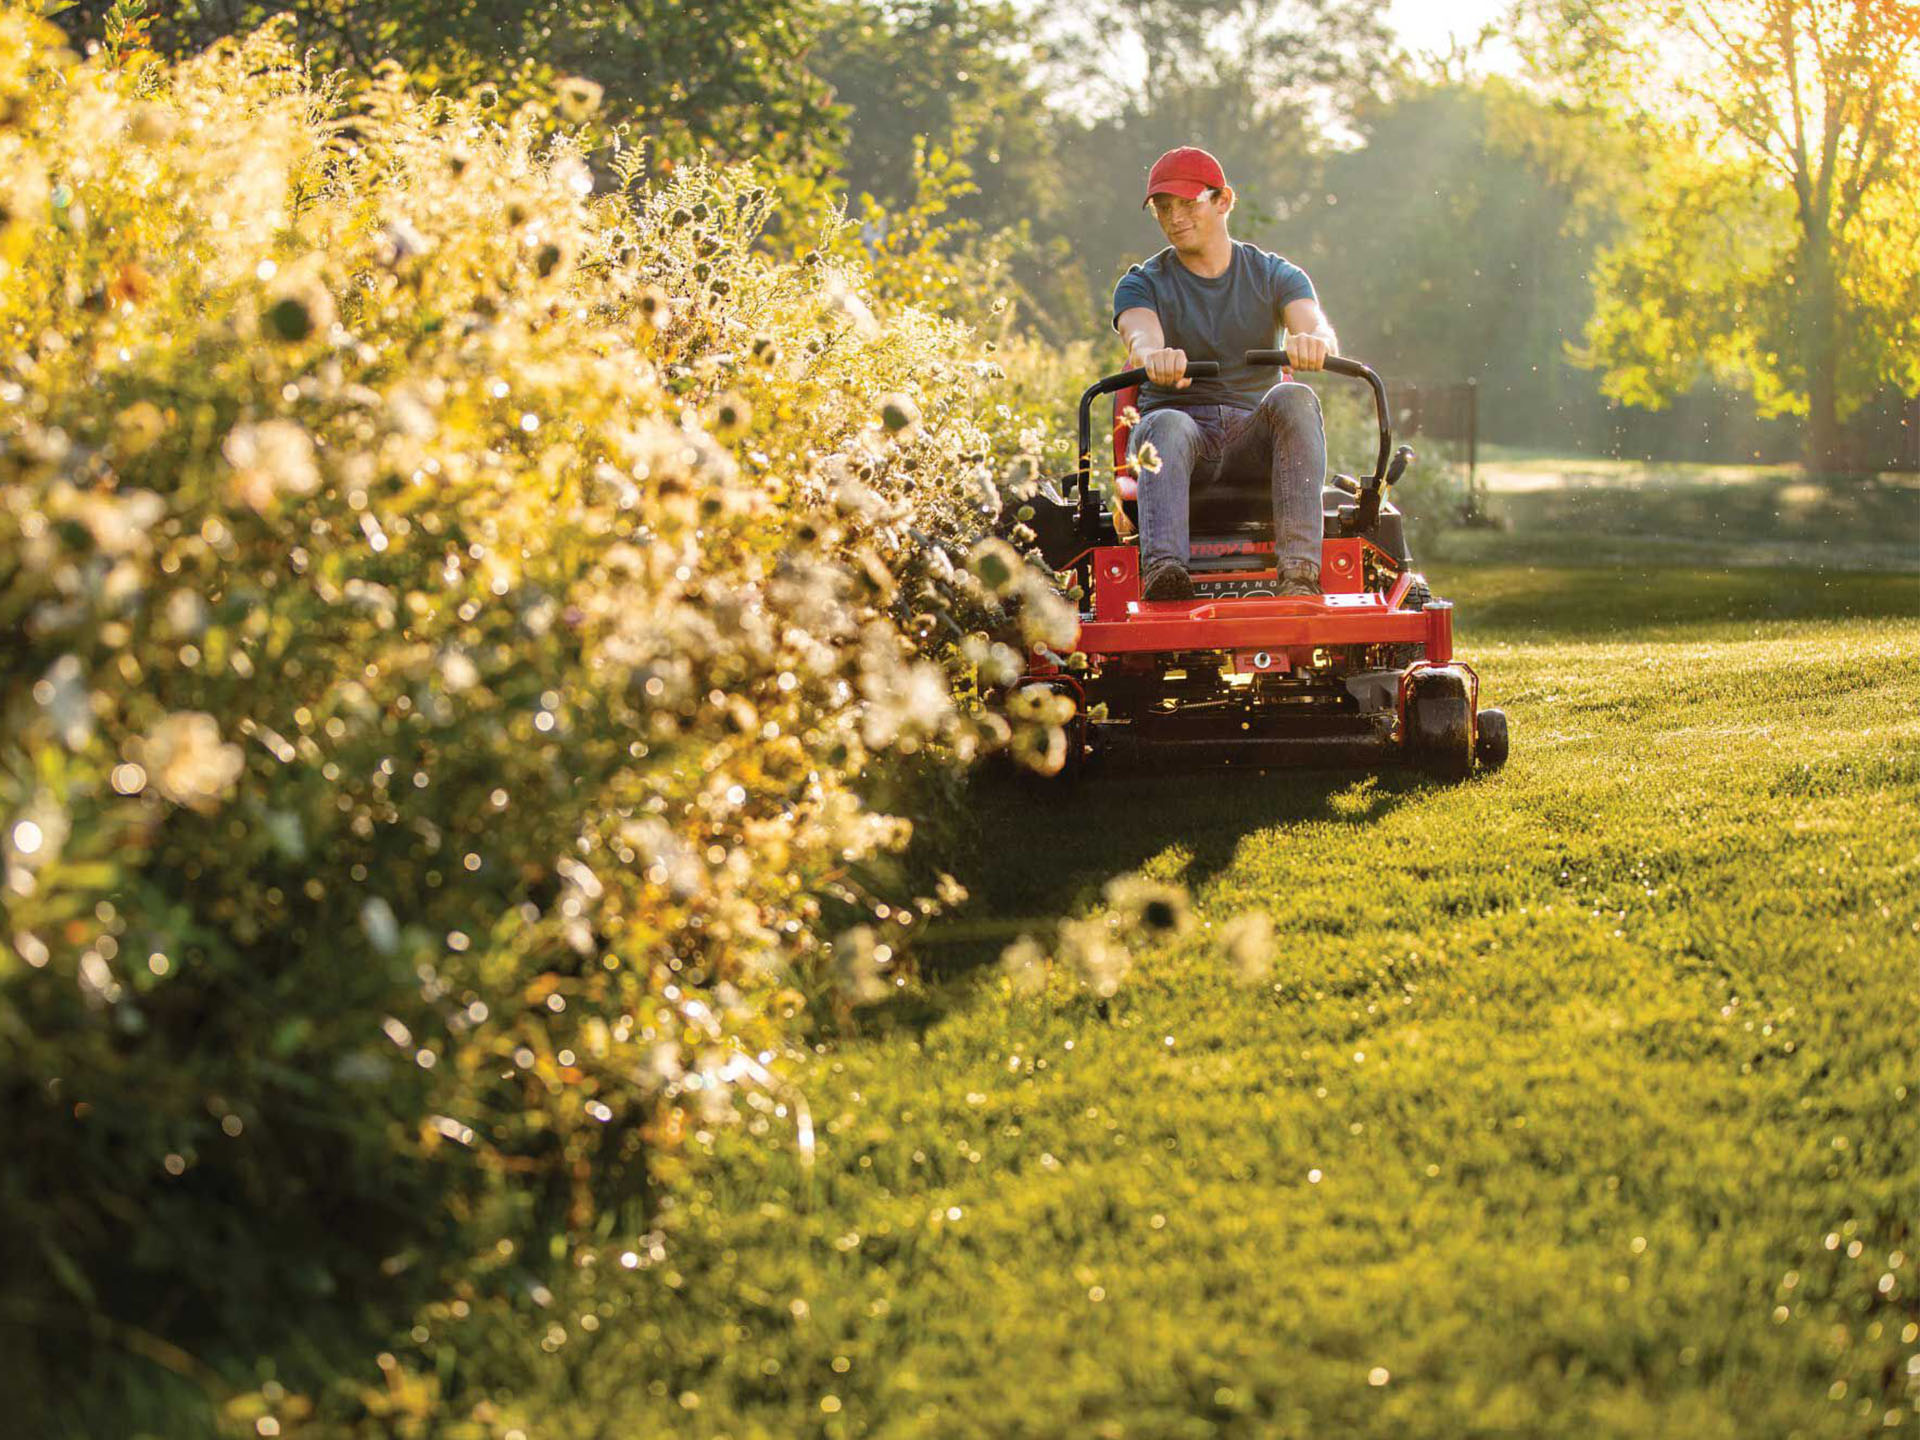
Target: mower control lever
1371 491
1398 465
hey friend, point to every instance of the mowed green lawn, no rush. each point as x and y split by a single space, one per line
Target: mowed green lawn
1582 1100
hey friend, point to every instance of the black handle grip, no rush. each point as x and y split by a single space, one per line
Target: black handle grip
1196 370
1337 364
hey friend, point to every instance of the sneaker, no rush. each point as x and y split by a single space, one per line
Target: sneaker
1168 580
1298 577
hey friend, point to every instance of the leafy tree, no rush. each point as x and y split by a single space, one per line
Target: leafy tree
967 117
969 76
724 78
1449 222
1779 238
1304 58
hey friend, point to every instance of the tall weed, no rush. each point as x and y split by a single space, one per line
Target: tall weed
453 603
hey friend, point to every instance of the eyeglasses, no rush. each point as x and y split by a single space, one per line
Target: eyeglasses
1166 206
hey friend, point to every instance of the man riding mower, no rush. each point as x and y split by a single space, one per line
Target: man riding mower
1189 643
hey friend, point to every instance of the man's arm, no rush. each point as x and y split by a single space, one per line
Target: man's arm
1310 337
1147 345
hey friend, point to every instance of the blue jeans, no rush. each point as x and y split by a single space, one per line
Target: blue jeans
1282 441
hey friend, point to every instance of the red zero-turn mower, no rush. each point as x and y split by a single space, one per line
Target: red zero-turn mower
1364 673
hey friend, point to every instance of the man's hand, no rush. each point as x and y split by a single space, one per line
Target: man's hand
1308 352
1310 339
1167 367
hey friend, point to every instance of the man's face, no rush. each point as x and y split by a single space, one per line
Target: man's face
1191 225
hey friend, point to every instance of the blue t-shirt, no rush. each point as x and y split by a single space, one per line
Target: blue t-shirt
1215 319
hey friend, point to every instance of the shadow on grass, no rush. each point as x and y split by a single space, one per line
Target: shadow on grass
1035 855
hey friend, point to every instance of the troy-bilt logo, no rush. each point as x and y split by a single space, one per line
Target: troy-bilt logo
1232 547
1262 588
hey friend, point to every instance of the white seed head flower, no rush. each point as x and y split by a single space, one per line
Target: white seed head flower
382 929
898 413
270 458
1046 618
845 303
120 524
997 564
857 960
299 304
457 671
68 701
186 614
1025 965
1140 903
903 700
188 762
399 242
577 98
1102 961
573 176
1248 941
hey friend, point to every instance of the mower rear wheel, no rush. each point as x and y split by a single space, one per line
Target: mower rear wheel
1490 744
1441 721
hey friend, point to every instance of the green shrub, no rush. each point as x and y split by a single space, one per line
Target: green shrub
453 603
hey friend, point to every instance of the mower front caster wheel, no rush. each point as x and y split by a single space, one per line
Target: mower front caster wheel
1490 744
1440 720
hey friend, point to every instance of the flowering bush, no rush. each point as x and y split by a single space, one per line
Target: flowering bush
455 594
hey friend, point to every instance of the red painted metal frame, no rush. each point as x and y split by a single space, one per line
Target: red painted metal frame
1116 583
1261 662
1124 623
1341 569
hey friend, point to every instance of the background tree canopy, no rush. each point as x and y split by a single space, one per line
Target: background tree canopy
1737 240
728 78
1779 238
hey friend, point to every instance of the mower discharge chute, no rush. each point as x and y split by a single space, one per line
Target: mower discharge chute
1364 673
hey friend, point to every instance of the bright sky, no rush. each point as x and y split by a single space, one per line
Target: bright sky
1427 24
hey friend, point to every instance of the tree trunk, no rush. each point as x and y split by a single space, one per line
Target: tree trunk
1824 442
1820 337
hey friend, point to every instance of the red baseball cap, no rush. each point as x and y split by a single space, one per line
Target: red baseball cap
1186 172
